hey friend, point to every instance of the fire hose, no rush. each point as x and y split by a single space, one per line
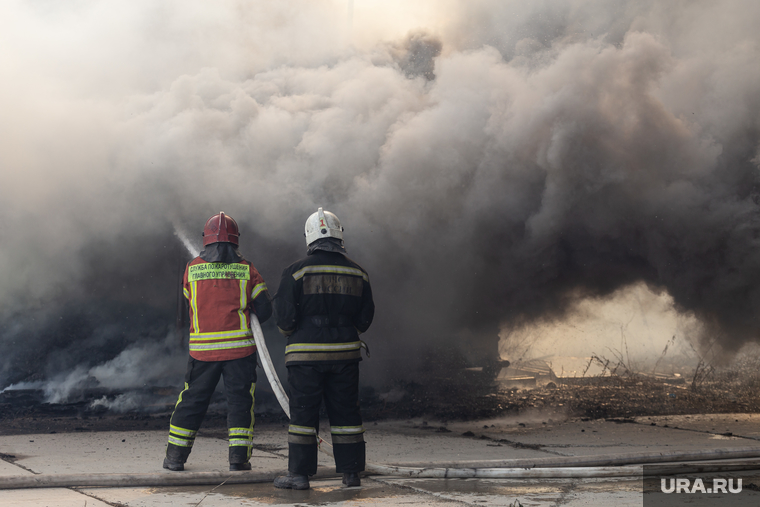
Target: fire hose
628 465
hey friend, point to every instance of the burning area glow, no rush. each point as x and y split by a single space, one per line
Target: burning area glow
497 165
634 329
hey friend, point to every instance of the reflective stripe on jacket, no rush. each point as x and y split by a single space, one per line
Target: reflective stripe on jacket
220 297
324 301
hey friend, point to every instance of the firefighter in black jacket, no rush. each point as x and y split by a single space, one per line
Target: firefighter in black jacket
324 301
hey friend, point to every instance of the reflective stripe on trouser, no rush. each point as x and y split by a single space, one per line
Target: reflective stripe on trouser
181 436
304 435
241 439
201 379
338 384
347 434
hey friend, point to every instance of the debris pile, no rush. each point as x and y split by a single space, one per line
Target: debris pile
532 386
448 394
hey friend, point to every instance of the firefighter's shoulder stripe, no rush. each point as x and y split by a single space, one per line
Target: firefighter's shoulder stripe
341 270
258 289
217 271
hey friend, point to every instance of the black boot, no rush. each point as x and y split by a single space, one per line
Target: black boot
352 480
239 458
176 457
174 466
292 481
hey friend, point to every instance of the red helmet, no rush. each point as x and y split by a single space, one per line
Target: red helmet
220 228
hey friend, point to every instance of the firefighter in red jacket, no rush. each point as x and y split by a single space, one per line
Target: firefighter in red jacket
324 301
222 289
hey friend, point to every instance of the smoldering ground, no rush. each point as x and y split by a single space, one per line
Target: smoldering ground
492 162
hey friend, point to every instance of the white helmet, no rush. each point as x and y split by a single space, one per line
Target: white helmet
322 224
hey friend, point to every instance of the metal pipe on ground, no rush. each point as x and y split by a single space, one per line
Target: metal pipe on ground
560 472
602 460
141 480
217 478
131 480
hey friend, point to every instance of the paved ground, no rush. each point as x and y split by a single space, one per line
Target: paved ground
388 442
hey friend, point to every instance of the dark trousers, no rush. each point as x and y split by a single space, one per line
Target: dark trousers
201 379
338 385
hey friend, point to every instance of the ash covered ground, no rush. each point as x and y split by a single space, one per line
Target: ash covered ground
439 395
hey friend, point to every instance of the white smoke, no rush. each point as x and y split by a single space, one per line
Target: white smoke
133 402
138 366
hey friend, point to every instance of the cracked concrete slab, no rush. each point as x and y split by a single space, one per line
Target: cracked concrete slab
388 442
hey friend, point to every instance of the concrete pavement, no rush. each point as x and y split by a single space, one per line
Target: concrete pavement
388 442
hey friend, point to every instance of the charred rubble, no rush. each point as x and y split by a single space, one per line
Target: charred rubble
447 390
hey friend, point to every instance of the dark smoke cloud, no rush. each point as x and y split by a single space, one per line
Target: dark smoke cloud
496 166
416 56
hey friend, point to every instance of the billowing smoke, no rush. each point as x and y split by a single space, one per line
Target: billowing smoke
492 161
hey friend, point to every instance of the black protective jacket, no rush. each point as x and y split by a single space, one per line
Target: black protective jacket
324 301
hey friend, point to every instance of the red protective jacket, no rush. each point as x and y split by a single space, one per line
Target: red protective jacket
221 296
